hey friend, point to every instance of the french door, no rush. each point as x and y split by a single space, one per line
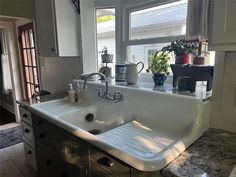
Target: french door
29 61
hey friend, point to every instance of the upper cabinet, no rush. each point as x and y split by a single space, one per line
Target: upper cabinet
57 27
222 36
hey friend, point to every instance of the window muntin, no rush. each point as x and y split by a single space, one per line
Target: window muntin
159 21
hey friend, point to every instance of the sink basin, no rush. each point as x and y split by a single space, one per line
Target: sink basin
94 118
87 118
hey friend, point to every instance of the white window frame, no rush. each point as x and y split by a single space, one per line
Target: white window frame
102 4
135 6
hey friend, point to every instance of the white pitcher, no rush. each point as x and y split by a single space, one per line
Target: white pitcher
132 72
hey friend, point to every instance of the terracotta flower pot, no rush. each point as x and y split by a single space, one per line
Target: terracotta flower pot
183 59
199 60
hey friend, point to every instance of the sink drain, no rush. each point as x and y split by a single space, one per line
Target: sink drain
89 117
95 131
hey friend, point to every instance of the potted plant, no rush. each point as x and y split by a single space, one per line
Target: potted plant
199 57
159 67
106 57
182 50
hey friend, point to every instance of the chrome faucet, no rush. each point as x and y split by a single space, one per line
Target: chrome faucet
117 96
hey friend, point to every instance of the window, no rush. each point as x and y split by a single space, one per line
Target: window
29 62
159 21
105 19
152 28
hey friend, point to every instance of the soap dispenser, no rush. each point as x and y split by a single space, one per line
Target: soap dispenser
71 94
76 87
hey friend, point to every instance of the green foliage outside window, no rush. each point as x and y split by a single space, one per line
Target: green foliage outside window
105 18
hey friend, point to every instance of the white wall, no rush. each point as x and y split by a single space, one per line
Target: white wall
223 115
56 73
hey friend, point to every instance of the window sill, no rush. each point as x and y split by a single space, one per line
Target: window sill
200 92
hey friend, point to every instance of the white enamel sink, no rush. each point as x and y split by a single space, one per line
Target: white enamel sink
233 173
93 124
147 130
74 115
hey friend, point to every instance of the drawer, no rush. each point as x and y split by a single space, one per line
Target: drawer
30 156
25 115
42 125
105 162
28 133
52 166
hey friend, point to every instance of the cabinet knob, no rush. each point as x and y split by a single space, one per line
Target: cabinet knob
105 161
53 50
27 130
40 122
64 175
42 135
25 115
48 162
29 152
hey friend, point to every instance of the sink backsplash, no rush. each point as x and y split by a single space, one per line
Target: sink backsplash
155 109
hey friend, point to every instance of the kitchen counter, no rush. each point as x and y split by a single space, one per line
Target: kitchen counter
213 155
28 102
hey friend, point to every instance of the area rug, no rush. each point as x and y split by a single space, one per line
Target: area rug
10 135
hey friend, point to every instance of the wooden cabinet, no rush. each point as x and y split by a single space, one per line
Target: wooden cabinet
222 35
58 153
28 136
61 154
57 28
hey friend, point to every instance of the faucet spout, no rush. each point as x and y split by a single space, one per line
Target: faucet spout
117 97
93 74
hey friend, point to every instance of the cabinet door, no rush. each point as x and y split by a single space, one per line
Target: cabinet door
67 24
224 23
45 28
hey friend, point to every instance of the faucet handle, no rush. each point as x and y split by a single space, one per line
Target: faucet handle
118 96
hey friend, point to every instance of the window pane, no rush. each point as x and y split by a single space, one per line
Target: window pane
29 57
159 21
27 74
29 91
35 76
106 35
31 75
27 39
25 57
33 57
31 38
144 53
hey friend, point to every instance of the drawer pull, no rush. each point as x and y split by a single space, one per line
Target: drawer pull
64 175
25 115
29 152
105 161
42 135
48 162
40 122
27 130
